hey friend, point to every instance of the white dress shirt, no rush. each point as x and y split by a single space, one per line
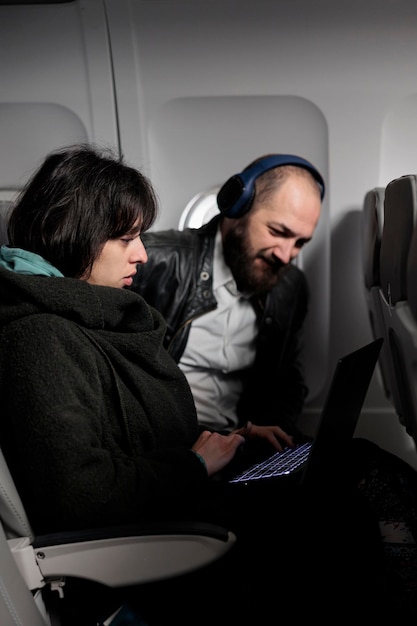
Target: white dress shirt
221 344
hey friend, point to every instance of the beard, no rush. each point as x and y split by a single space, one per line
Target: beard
254 273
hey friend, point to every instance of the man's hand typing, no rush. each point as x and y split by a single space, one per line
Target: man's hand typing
277 437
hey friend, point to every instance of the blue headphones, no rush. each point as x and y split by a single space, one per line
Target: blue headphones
236 195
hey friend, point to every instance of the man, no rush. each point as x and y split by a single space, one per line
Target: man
233 301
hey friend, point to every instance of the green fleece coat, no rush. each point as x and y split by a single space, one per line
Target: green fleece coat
97 420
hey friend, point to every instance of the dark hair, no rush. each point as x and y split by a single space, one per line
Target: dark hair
78 199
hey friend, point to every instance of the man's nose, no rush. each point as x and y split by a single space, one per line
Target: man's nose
286 251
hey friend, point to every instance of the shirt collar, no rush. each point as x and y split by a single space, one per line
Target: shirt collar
222 276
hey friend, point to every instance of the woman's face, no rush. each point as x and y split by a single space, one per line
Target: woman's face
116 264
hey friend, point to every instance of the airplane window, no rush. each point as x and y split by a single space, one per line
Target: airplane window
200 209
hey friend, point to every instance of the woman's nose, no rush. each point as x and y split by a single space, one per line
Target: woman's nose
140 254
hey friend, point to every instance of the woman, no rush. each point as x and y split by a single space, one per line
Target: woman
73 340
98 423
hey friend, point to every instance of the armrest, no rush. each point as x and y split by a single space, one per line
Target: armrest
122 556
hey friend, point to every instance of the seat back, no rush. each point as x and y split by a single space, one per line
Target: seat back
4 208
411 278
398 270
399 220
12 513
372 227
18 606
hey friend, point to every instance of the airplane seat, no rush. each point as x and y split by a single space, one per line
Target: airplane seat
114 557
372 226
412 275
398 271
4 208
17 604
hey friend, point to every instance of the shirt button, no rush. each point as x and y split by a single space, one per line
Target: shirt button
204 276
206 293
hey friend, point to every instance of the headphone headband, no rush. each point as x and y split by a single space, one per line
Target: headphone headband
236 195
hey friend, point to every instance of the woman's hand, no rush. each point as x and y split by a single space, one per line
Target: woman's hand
277 437
217 450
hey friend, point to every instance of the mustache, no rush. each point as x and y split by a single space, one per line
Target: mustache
275 263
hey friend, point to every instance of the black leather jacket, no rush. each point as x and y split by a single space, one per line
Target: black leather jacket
178 281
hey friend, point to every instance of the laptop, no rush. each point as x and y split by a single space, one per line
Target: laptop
312 459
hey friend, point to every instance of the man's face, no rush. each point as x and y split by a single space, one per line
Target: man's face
260 244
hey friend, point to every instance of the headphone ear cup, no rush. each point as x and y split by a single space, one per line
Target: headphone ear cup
235 198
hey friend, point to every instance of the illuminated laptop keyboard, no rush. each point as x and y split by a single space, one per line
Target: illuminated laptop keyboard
279 464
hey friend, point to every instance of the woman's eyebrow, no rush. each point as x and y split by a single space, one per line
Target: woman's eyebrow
135 230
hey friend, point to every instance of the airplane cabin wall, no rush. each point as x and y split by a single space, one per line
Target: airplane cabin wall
56 84
190 91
